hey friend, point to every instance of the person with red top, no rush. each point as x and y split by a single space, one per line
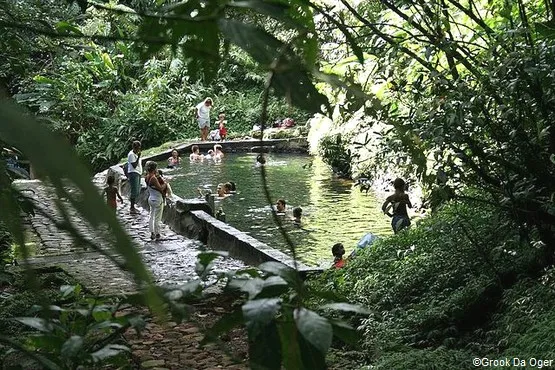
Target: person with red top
221 125
111 192
338 251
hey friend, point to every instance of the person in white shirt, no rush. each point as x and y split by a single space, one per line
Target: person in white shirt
134 172
203 117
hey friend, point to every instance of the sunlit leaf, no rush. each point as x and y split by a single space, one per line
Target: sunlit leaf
66 27
36 323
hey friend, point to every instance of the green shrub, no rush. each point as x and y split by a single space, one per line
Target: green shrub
335 152
438 283
426 359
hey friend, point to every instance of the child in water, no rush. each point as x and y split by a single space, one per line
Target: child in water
398 202
195 154
111 192
338 251
297 214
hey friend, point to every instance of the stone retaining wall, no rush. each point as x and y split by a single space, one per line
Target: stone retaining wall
295 145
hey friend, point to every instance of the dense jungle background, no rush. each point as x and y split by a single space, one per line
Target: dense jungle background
456 96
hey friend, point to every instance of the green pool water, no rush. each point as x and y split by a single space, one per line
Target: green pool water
333 210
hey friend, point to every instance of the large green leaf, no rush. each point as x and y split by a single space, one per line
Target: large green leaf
281 270
223 325
289 337
259 312
250 286
47 152
265 348
315 329
346 333
108 351
72 346
37 323
546 29
290 78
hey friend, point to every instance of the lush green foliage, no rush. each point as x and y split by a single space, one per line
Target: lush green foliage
101 94
336 153
445 290
465 90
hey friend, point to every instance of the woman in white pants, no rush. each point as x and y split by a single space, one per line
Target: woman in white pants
156 190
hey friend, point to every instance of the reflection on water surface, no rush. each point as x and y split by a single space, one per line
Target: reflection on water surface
333 210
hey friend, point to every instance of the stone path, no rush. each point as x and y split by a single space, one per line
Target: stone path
172 261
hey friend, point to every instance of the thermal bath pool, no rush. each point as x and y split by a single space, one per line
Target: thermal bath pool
333 210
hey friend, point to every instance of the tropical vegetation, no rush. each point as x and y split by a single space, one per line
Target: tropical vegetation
456 96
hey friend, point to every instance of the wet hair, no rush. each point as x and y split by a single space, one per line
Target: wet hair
160 173
297 212
151 166
136 144
110 180
228 187
210 151
220 186
194 148
174 150
399 184
233 186
217 146
261 159
335 249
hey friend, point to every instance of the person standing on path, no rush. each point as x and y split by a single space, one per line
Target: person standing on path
111 193
203 117
134 172
156 190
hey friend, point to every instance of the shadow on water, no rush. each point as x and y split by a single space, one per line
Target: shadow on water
333 210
